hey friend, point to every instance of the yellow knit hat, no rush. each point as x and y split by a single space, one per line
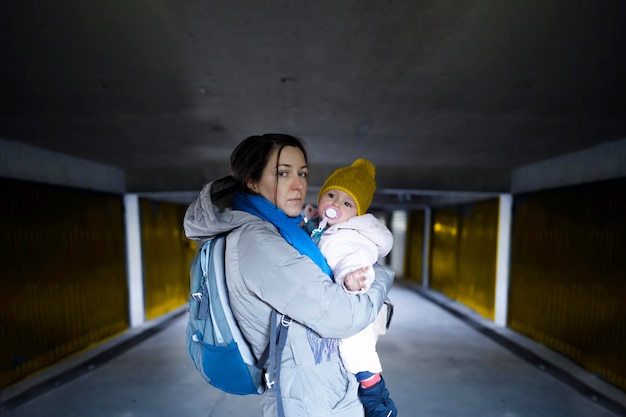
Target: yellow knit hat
357 180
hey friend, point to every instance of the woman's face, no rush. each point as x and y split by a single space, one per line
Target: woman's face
285 183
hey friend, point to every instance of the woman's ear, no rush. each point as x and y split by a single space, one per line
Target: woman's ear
252 185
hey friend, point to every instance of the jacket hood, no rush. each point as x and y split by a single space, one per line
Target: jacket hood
211 214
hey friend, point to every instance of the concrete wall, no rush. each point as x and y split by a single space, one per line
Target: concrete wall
602 162
25 162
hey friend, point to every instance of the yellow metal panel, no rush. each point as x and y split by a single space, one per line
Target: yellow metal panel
463 254
477 257
444 251
568 274
414 247
167 255
63 274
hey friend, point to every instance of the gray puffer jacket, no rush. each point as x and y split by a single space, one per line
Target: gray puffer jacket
264 272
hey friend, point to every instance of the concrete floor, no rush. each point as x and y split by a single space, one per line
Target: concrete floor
439 359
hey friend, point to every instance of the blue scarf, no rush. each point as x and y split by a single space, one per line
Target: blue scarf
289 227
290 230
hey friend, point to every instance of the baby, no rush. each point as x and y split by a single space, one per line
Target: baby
351 239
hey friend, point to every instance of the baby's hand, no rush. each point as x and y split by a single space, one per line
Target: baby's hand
310 212
355 280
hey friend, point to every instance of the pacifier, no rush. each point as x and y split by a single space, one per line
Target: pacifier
331 213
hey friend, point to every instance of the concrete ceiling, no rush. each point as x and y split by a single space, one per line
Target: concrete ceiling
442 95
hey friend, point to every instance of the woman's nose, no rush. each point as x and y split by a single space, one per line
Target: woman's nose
299 183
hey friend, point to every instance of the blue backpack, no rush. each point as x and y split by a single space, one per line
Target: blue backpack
214 341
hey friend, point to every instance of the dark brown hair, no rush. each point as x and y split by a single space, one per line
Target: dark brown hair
252 155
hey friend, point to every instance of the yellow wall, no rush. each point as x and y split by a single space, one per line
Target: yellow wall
568 274
63 282
413 263
167 255
444 251
62 274
463 254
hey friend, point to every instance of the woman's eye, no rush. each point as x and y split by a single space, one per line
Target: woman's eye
282 174
304 174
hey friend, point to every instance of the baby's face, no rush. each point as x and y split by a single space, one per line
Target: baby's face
341 202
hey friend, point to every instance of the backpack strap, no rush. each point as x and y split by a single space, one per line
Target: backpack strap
278 340
266 354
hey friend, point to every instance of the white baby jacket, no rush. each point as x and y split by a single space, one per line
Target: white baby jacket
355 243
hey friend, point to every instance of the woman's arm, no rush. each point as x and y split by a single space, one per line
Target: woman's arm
292 284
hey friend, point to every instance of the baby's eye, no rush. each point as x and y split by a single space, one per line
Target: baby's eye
331 195
348 204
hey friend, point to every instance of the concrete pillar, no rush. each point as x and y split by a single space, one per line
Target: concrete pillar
503 259
398 228
134 263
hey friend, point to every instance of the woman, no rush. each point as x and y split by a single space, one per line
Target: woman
271 263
